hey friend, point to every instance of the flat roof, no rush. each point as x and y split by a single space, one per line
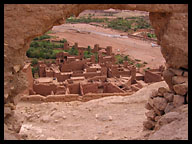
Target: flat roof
44 79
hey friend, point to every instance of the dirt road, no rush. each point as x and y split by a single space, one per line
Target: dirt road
86 34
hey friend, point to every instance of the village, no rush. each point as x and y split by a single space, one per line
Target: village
100 75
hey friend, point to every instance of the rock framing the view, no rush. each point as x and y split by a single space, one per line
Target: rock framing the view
24 22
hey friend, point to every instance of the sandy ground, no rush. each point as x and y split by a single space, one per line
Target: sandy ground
112 118
86 34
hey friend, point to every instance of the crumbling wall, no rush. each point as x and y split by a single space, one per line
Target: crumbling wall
74 88
89 88
44 89
23 22
110 88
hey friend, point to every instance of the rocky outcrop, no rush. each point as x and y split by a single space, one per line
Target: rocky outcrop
163 103
24 22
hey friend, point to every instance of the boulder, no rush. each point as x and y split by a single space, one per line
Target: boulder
7 111
150 101
178 100
179 80
148 106
168 96
149 124
162 90
181 89
157 118
167 118
151 114
177 72
169 107
158 112
154 93
160 103
167 75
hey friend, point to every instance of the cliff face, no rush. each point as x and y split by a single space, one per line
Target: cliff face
23 22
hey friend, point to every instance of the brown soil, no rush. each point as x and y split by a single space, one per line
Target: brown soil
137 49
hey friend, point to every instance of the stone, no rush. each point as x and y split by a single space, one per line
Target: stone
181 89
154 93
103 117
17 68
157 111
167 118
7 111
169 107
24 136
185 74
149 124
16 99
168 96
160 103
167 75
147 106
151 114
179 80
157 118
167 20
162 90
178 100
177 72
150 101
6 96
45 119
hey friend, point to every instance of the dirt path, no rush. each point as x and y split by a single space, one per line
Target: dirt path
110 118
137 49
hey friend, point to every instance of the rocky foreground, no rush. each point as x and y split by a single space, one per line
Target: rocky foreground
112 118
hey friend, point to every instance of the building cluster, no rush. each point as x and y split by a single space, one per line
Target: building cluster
76 75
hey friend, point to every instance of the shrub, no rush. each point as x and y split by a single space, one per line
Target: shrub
150 35
73 51
87 54
119 59
63 41
34 70
34 61
138 65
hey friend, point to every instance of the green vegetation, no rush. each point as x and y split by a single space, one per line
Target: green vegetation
96 56
139 65
126 58
34 61
34 70
150 35
84 20
43 49
42 37
53 61
119 59
120 24
73 51
133 23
